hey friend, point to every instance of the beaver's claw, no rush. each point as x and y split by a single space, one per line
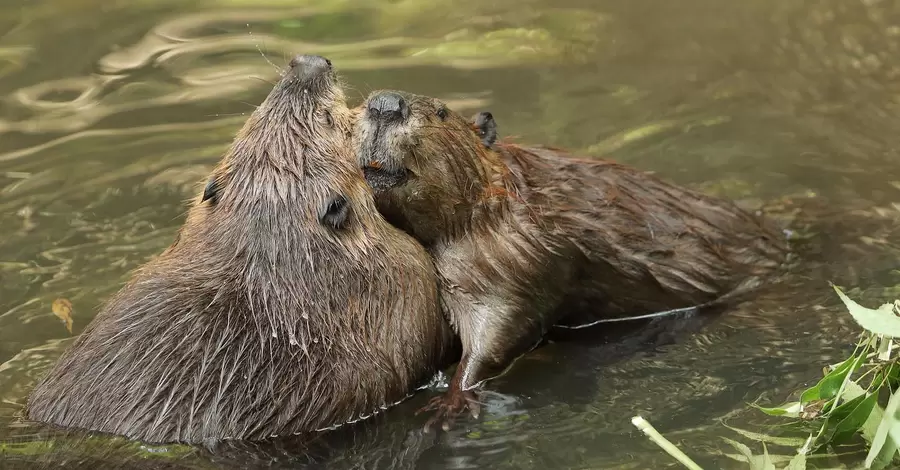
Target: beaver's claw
449 406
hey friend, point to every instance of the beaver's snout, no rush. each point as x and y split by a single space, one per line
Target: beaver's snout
379 155
309 67
387 106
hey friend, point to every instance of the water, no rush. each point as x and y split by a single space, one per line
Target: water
112 113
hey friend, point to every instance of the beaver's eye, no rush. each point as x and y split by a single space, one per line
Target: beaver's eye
211 192
442 112
336 213
328 119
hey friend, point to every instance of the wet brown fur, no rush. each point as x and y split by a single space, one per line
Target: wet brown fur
260 320
524 238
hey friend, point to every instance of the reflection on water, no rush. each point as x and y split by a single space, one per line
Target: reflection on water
112 114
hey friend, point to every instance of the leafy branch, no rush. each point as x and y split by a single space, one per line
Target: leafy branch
845 403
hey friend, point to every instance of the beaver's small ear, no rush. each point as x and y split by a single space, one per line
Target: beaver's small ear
211 191
486 127
336 213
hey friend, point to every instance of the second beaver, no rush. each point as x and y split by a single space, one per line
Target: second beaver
525 238
286 303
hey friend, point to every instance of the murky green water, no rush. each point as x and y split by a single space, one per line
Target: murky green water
113 111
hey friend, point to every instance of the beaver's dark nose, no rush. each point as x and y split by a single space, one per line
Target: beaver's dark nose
306 67
388 106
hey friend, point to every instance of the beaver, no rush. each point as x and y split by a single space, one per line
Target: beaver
528 238
285 305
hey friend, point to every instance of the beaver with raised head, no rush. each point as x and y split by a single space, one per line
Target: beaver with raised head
525 238
286 304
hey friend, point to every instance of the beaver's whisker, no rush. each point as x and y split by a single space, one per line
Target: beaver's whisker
263 80
365 94
277 68
185 203
224 115
248 104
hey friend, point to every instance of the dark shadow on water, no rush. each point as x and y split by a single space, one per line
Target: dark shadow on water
582 354
394 440
377 443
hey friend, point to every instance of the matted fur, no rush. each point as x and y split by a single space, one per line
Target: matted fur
526 238
260 320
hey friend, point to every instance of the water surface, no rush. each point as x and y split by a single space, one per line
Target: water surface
112 112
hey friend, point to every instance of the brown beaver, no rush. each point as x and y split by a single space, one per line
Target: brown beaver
525 238
286 304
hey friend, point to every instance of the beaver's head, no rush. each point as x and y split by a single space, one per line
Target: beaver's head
288 201
292 160
430 167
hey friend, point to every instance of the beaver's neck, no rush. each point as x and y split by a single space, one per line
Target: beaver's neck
487 199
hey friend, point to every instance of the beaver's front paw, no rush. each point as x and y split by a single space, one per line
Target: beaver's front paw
450 405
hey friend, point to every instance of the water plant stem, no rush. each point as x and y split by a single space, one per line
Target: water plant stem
661 441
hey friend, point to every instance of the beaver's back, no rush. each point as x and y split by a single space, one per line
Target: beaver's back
199 347
652 245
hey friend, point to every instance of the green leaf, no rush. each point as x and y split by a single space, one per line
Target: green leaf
850 417
882 445
870 427
888 375
743 449
889 449
829 385
799 460
852 390
790 410
766 461
758 462
797 463
885 347
880 321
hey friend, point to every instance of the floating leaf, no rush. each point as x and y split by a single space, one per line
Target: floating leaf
781 441
758 462
791 410
880 321
743 449
62 308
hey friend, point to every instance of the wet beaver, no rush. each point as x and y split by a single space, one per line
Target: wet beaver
286 304
527 238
